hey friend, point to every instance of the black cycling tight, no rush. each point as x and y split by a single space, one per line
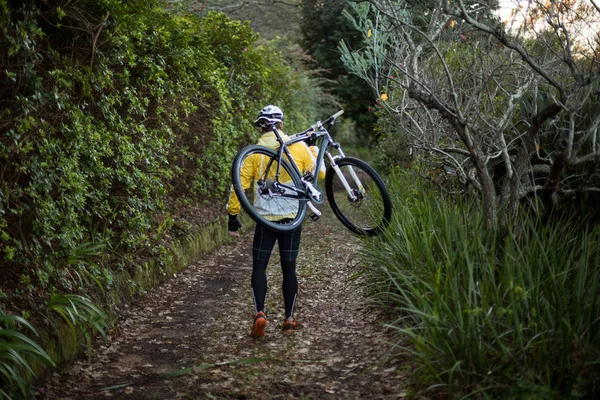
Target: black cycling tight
289 243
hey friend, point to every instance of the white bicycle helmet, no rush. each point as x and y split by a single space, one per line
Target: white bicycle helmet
269 116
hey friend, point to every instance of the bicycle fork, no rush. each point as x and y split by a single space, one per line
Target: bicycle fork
351 194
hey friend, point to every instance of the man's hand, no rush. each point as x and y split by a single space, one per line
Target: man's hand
311 140
233 225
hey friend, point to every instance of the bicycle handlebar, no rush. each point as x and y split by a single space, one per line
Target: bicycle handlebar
316 127
329 121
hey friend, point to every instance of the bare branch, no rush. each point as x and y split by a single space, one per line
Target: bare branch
501 36
95 37
592 157
566 45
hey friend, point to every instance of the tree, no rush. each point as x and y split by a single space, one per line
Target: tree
272 18
323 28
508 110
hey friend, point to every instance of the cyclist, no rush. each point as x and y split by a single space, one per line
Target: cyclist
264 239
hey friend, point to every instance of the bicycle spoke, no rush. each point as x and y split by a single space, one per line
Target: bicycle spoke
365 209
275 191
358 197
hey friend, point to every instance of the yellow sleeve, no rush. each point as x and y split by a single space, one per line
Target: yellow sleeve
246 177
314 150
233 204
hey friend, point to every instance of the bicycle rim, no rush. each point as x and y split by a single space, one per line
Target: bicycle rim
368 209
271 202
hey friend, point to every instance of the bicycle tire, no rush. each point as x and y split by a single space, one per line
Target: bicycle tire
368 215
255 198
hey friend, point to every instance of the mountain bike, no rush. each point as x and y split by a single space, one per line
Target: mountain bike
356 193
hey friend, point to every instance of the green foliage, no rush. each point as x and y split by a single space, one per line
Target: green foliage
511 314
17 351
19 354
111 120
323 28
98 138
273 20
80 315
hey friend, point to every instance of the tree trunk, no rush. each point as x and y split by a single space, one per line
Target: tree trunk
551 187
488 192
490 205
524 156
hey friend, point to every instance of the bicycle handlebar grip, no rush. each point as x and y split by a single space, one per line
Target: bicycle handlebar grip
337 114
333 117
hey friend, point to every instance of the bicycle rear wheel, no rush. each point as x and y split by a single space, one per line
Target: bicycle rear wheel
370 211
275 202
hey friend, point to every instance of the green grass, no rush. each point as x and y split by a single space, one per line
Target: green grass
17 352
512 314
81 316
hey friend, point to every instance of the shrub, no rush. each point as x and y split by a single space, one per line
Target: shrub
115 116
512 314
17 351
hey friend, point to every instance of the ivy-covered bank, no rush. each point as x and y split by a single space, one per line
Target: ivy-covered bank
115 119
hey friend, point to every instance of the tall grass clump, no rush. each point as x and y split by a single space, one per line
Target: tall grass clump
81 316
17 352
507 314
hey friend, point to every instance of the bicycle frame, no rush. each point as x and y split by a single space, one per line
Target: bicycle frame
278 191
314 192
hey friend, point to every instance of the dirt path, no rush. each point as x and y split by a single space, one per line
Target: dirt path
198 324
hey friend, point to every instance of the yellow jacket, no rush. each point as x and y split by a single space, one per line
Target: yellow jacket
304 157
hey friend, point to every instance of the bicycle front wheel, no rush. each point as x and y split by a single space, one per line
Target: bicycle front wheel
271 194
358 197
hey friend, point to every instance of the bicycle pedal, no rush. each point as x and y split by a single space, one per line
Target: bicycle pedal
315 214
